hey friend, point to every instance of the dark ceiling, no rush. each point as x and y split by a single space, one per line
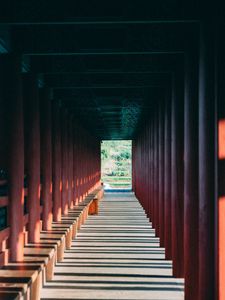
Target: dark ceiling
108 62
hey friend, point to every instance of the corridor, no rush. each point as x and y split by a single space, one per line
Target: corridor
77 74
116 255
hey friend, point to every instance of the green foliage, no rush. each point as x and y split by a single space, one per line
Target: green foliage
116 160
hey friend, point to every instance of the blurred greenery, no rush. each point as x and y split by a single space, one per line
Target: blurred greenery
116 163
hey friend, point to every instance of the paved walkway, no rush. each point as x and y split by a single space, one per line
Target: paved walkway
115 256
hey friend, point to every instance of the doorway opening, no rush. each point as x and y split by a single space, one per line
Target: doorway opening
116 165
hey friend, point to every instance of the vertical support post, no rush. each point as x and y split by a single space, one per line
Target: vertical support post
32 130
151 171
154 141
156 172
177 176
56 163
64 163
167 181
161 172
13 96
46 157
191 200
70 163
206 163
75 165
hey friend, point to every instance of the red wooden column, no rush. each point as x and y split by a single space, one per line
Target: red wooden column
156 171
32 130
144 168
167 179
46 157
177 175
151 207
70 162
64 146
154 167
14 97
56 162
149 172
191 201
207 154
161 172
75 166
78 175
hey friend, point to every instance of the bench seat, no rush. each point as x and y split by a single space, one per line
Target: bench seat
10 295
30 276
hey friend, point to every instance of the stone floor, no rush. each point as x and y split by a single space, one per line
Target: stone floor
115 256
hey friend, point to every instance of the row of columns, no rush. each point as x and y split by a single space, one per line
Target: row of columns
175 168
45 144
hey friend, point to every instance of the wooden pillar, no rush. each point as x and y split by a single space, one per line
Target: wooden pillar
177 175
156 171
56 162
75 165
78 168
70 162
161 172
13 96
151 172
32 131
206 163
154 160
64 163
191 200
167 180
46 157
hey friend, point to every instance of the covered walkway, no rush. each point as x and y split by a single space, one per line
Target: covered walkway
75 73
116 255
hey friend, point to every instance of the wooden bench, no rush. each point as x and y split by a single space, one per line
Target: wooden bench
7 295
23 280
56 239
44 255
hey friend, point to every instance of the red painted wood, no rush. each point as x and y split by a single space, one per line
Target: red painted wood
151 171
161 173
46 158
75 165
206 164
70 165
167 179
13 97
32 123
156 174
177 177
64 145
191 201
12 86
56 162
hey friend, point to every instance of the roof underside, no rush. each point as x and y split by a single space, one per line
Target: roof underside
107 62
